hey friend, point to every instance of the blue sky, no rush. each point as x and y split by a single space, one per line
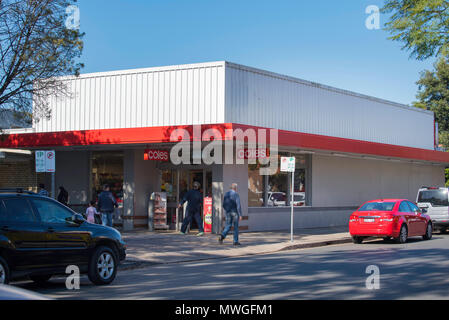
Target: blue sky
324 41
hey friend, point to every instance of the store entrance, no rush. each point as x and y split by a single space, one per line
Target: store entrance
176 183
107 168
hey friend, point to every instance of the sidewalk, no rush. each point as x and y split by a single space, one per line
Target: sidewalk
149 248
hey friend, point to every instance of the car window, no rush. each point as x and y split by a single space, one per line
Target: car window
19 210
51 212
437 197
3 216
378 206
404 207
413 207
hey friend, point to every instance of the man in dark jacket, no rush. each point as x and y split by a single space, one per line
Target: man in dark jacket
233 209
63 196
194 200
106 205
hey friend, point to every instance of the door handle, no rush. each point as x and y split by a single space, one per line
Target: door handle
50 229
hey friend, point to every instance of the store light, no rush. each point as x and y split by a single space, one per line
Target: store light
340 155
16 151
370 158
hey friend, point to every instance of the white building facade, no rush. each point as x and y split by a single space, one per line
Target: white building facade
349 148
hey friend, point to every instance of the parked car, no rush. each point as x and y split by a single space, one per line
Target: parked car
434 202
299 199
40 237
276 199
389 218
279 199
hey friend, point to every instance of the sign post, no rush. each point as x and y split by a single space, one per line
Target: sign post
51 167
46 162
40 161
288 165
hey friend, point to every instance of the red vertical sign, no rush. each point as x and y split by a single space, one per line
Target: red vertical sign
207 214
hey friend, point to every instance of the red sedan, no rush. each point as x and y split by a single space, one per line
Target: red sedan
389 218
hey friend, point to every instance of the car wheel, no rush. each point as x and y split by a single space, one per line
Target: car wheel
429 231
403 234
40 280
357 240
4 271
102 266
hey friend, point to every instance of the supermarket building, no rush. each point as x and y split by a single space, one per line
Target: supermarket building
349 147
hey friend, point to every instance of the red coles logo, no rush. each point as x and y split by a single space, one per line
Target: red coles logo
247 154
156 155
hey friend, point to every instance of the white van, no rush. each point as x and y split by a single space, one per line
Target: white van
434 202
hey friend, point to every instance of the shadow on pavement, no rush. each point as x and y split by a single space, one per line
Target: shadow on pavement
407 271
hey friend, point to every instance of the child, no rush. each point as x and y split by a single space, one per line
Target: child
91 212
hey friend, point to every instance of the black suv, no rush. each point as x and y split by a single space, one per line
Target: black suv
39 238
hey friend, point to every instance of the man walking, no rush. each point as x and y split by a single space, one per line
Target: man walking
194 200
233 209
43 192
63 196
106 205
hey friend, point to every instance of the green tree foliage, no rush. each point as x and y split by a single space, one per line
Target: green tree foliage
433 94
444 139
447 177
423 28
36 49
421 25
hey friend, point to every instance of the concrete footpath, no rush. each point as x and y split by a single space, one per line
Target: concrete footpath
149 248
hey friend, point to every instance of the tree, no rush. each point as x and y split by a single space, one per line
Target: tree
446 173
433 94
36 49
422 25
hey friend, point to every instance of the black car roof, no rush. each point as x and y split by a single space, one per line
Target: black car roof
17 192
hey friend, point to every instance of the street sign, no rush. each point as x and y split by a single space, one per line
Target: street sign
40 161
45 161
50 164
288 164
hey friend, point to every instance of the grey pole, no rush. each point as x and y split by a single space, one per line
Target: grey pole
53 187
291 206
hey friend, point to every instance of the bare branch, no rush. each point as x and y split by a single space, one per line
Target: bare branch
36 49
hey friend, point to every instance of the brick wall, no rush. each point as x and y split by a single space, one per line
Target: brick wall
20 173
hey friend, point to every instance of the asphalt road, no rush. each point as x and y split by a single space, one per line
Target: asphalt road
415 270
